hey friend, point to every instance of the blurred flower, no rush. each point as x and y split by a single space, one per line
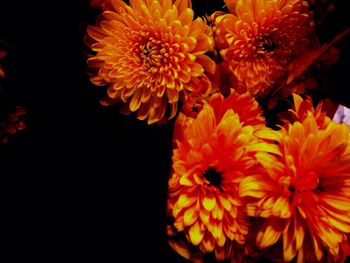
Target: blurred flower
149 53
330 57
11 122
298 78
304 194
261 37
213 153
321 9
298 66
100 3
2 70
10 117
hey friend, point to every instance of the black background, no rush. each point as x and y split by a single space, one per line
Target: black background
84 183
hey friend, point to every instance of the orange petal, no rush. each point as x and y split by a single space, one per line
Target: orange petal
267 237
181 248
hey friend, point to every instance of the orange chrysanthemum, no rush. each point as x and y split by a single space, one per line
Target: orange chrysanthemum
305 193
149 53
261 37
214 152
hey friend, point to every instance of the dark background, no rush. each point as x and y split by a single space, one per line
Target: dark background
84 183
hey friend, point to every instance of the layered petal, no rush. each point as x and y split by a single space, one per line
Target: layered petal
210 159
260 37
149 53
306 188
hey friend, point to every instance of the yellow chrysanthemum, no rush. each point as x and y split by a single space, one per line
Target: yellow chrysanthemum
261 37
305 193
214 152
149 53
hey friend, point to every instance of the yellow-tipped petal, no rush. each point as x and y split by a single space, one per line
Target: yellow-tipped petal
195 234
209 202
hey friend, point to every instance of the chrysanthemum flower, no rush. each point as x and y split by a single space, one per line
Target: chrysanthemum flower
305 193
261 37
149 53
214 152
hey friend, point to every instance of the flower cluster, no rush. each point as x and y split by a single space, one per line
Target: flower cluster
240 188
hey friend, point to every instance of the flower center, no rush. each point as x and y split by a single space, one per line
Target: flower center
155 54
305 184
150 54
265 45
213 177
291 189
